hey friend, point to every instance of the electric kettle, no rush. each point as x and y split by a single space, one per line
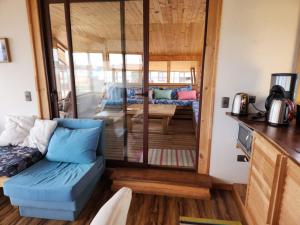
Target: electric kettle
281 112
240 104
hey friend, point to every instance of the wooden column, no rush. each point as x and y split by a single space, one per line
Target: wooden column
168 71
209 80
38 59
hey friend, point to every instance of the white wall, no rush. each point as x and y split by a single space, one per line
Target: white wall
258 37
18 76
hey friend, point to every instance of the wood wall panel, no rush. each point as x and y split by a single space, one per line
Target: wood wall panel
38 59
209 81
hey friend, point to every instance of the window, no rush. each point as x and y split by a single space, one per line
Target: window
89 73
158 72
116 60
134 77
158 77
134 65
174 72
180 77
181 71
81 59
96 59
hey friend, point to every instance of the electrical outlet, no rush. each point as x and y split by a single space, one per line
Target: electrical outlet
252 99
242 158
28 96
225 102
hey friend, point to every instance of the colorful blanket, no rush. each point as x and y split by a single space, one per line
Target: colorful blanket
14 159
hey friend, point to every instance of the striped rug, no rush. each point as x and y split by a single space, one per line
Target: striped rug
171 157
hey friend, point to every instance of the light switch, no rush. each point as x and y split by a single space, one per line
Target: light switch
28 96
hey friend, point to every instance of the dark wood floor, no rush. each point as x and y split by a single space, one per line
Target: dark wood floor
145 209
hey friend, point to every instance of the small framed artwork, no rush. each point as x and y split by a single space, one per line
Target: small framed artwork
4 51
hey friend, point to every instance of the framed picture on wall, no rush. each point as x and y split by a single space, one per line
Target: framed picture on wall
4 51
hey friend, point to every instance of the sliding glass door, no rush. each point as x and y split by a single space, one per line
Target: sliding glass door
97 69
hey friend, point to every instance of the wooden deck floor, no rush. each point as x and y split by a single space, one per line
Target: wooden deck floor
181 136
144 210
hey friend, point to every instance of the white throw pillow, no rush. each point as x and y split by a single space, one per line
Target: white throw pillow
40 135
16 129
114 212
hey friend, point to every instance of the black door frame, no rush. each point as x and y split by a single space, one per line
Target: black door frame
45 25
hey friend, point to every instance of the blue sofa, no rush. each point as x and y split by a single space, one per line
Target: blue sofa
57 190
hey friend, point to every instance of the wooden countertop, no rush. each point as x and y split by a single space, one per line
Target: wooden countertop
286 138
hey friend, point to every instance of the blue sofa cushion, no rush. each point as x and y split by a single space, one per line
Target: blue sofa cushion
75 146
85 124
61 205
174 102
53 181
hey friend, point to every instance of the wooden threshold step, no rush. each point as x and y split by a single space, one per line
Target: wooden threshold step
186 178
155 188
162 182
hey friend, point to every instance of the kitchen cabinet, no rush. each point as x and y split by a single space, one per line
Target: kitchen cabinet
273 192
264 174
289 196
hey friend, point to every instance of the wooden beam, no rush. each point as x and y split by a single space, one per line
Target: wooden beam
175 58
209 80
38 59
168 71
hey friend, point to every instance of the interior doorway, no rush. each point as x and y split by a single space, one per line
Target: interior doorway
127 62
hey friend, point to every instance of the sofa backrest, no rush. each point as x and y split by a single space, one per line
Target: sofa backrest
85 124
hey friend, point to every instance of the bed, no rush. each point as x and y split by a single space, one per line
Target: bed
14 159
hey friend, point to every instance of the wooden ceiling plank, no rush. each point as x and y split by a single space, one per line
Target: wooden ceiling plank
176 26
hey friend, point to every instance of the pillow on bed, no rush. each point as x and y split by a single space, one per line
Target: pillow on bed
16 129
74 146
40 134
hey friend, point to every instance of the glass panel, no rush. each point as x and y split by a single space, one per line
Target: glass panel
61 59
100 76
134 78
176 38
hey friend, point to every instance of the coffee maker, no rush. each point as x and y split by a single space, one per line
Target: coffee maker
240 104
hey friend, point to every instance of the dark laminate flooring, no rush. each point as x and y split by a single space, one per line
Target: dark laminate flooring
145 209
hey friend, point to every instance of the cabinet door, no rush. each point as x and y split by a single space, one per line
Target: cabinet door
265 164
289 205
